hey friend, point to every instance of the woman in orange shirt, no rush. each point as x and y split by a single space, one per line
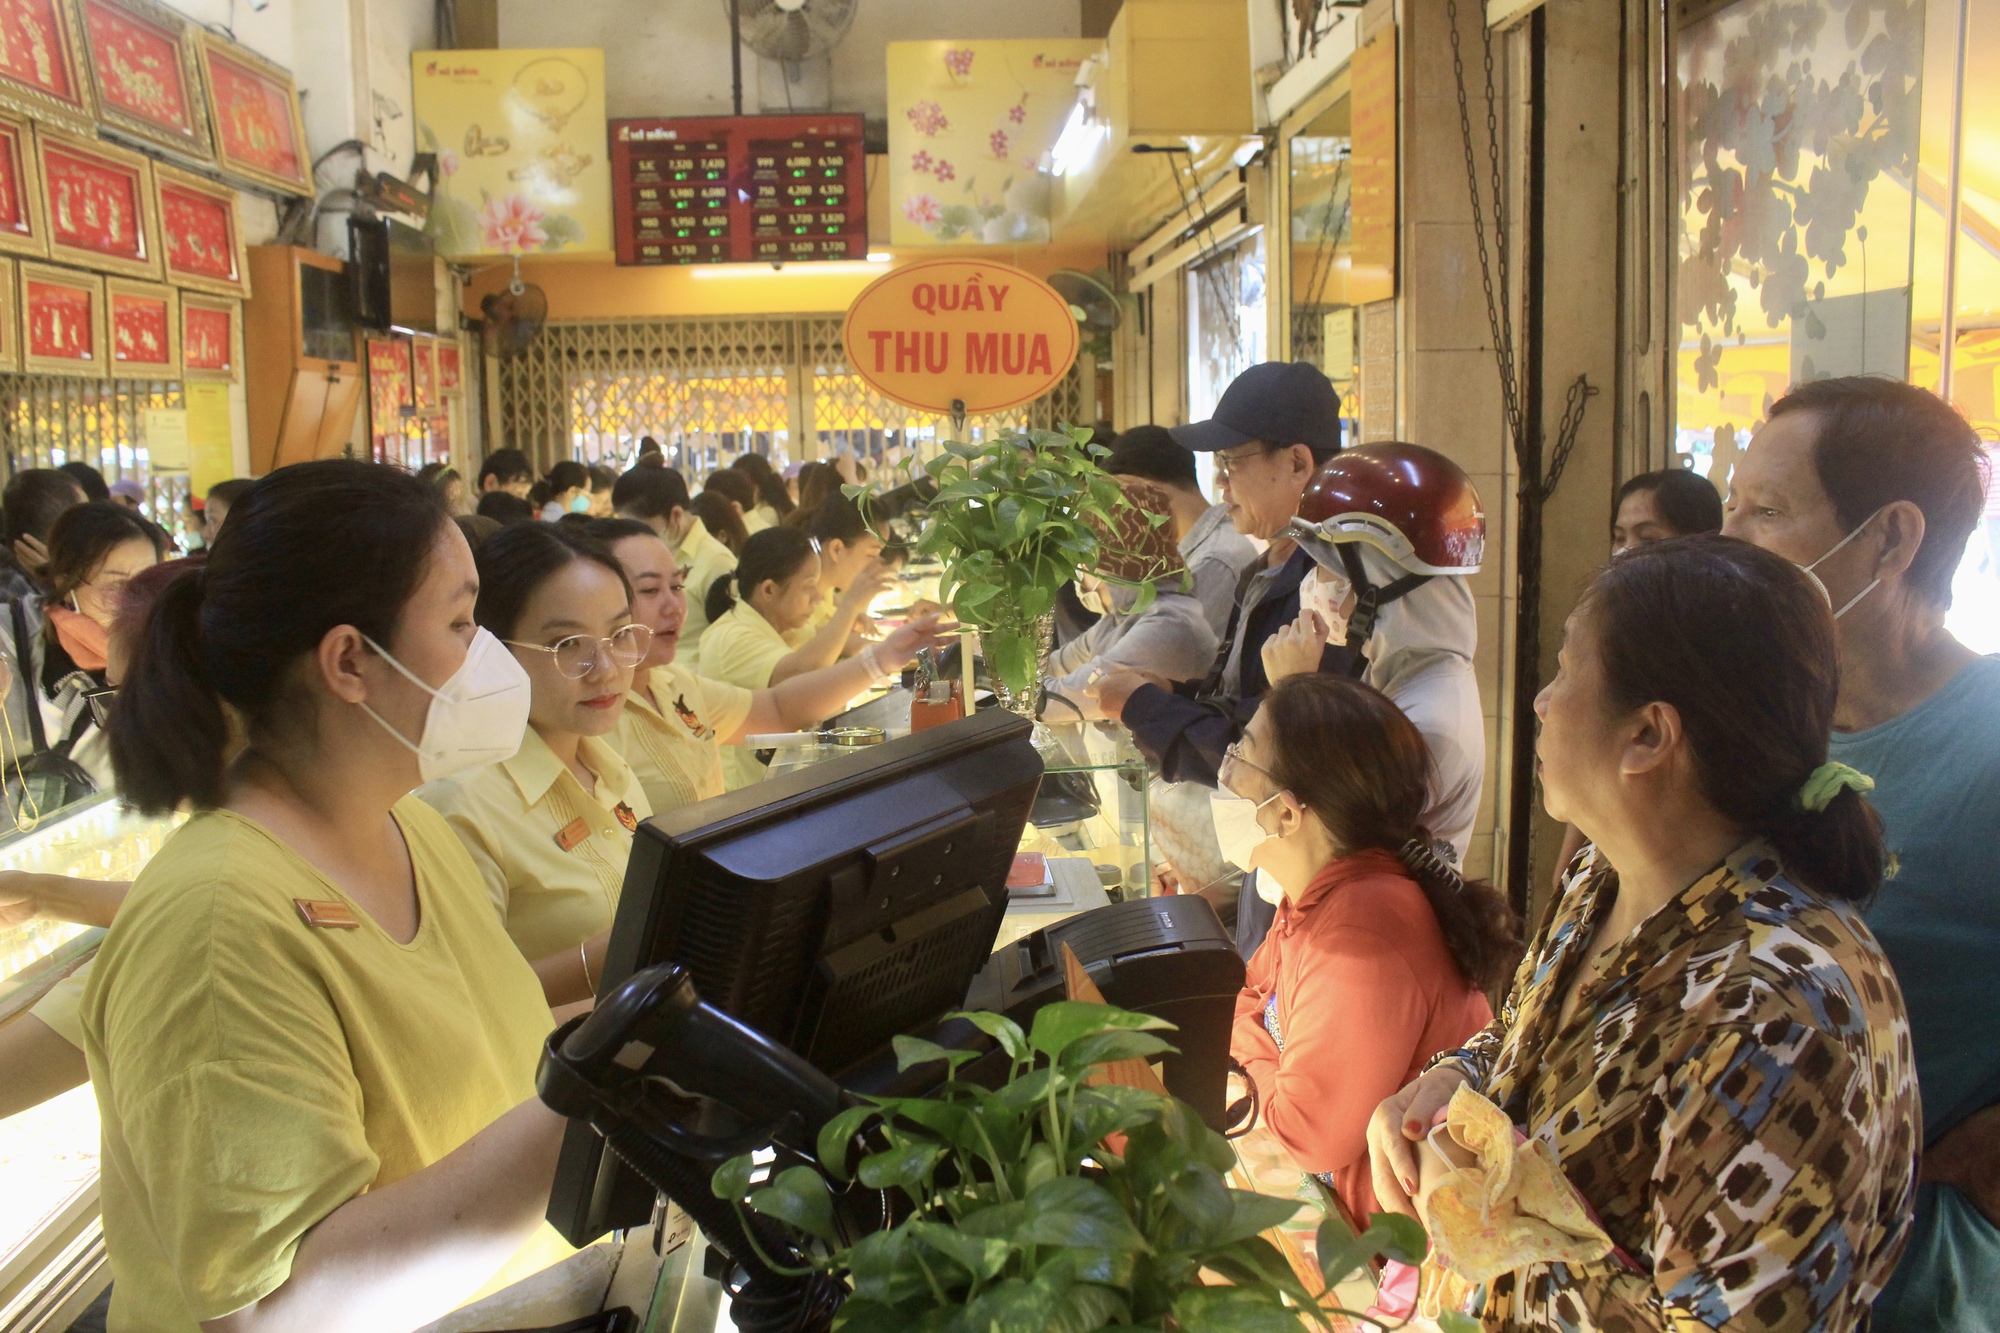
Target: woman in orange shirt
1380 951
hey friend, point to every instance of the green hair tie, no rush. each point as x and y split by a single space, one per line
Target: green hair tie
1828 781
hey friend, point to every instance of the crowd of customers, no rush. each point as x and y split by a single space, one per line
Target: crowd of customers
416 721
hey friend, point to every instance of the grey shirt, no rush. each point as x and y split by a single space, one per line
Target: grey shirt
1171 637
1216 554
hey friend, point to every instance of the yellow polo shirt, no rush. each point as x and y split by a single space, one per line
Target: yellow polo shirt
763 516
552 855
254 1073
704 557
677 753
62 1007
742 649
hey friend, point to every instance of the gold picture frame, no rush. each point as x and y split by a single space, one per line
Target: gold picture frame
28 232
252 104
56 89
173 191
129 293
196 348
10 317
47 324
74 176
115 58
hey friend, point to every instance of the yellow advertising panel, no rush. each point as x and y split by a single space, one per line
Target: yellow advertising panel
970 128
983 337
520 139
211 454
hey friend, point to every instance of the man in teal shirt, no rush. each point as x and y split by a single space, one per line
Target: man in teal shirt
1874 487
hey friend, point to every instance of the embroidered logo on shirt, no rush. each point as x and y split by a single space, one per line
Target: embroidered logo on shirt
326 915
572 833
627 817
689 719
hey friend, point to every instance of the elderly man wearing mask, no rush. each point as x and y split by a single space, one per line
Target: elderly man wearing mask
1874 486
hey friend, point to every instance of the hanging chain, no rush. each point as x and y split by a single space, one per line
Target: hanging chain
1499 310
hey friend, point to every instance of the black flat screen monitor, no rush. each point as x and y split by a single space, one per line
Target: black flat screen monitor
830 908
395 283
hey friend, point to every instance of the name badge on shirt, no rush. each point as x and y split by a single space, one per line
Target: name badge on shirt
326 915
572 833
628 817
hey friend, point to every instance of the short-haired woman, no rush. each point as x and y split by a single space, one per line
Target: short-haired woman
1704 1032
312 1044
1379 953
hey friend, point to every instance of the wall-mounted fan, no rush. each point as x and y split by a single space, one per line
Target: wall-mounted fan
792 31
514 316
1090 299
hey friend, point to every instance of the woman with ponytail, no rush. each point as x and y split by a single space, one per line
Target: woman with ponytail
312 1044
761 631
1705 1033
1380 951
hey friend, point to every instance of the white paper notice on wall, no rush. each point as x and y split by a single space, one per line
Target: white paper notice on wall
166 438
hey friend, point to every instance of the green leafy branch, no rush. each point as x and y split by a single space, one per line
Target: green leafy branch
1025 1219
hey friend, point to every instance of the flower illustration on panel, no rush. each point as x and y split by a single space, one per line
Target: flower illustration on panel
920 162
945 171
448 162
998 140
959 61
922 209
510 224
1018 113
928 118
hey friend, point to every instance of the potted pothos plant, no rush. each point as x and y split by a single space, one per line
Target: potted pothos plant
1052 1204
1014 518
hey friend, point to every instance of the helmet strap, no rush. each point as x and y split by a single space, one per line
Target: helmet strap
1369 600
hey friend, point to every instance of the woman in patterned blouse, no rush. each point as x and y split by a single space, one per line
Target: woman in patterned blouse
1704 1031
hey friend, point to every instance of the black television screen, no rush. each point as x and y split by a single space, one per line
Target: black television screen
830 908
326 313
395 282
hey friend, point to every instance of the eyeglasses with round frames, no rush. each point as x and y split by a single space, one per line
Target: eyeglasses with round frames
576 656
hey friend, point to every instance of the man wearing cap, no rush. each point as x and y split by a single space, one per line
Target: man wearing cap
1276 423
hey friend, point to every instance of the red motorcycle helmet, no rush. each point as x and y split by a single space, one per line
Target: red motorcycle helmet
1411 503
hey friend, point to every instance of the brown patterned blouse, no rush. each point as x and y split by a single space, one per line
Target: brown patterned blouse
1734 1095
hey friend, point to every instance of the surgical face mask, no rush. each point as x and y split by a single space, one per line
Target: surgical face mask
580 504
477 717
1239 835
1093 600
1850 603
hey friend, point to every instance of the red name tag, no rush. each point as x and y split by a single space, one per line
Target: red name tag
326 915
572 833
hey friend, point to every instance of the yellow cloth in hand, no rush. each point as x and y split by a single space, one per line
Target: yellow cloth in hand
1513 1208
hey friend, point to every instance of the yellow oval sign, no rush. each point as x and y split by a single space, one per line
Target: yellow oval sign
987 335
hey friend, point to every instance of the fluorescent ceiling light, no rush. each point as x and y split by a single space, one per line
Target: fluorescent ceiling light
801 268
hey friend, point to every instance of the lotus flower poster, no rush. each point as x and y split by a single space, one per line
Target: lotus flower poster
971 124
520 139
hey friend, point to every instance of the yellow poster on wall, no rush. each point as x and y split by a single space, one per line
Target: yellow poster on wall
211 455
971 124
520 139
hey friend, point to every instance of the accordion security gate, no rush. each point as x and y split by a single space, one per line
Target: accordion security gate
707 388
50 420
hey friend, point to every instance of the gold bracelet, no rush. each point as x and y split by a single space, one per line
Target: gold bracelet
583 957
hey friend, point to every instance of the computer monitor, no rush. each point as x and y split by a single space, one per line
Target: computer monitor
830 908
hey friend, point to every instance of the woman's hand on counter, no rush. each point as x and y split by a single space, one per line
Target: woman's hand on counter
1395 1130
29 896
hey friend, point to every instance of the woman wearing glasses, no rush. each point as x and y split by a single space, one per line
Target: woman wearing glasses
551 828
1379 951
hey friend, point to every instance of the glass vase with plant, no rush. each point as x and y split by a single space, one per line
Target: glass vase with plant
1055 1202
1012 520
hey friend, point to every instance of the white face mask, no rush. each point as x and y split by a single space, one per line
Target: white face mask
1239 835
1093 600
1850 603
479 716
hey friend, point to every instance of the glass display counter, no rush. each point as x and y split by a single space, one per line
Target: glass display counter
49 1244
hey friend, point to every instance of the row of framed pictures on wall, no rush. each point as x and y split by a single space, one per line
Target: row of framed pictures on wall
63 321
86 202
410 384
141 72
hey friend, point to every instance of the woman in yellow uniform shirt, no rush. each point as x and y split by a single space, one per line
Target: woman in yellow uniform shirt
760 634
312 1044
676 722
550 828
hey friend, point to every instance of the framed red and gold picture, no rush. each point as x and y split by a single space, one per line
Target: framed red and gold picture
146 74
451 374
62 321
253 109
10 317
389 390
143 329
201 242
24 224
211 337
423 373
41 65
100 202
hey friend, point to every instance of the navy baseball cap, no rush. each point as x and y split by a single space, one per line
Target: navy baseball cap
1278 402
